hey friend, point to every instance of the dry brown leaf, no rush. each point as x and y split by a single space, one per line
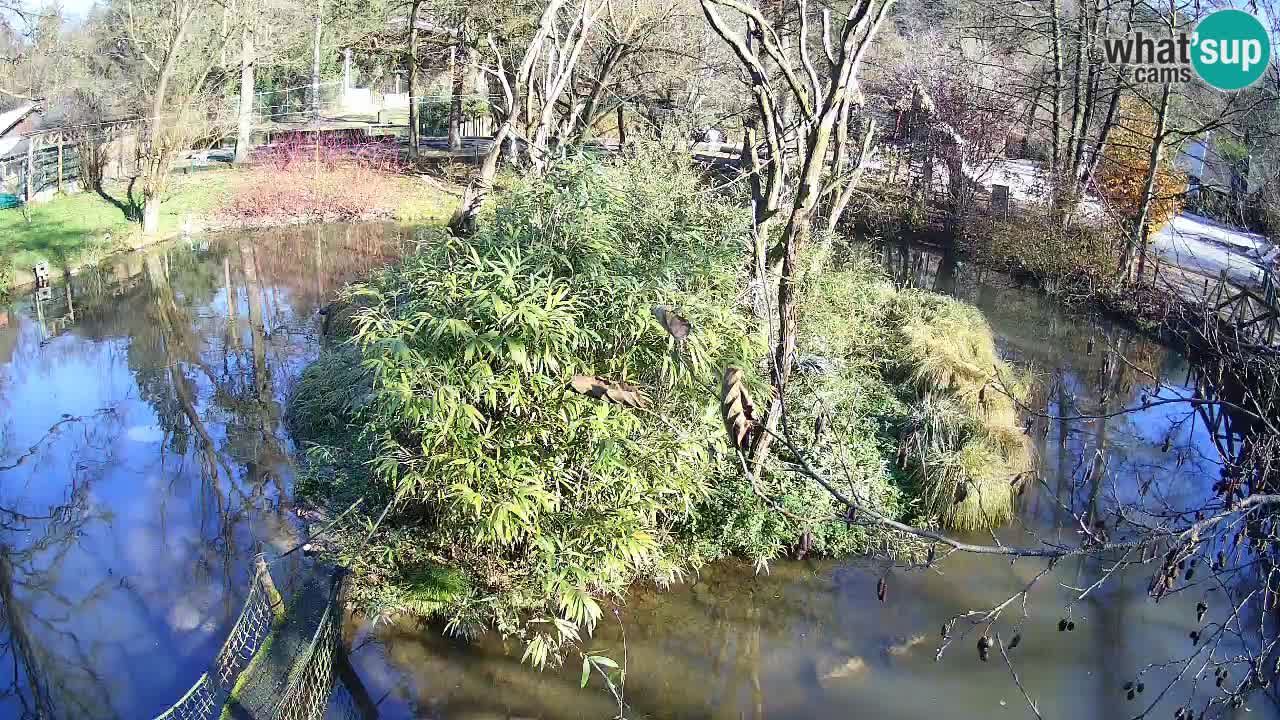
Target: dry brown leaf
627 395
671 321
589 385
619 393
736 409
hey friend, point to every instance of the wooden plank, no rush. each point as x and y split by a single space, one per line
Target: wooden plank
59 164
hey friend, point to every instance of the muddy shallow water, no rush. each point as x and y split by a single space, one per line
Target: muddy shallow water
143 461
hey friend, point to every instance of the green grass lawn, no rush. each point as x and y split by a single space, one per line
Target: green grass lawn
73 229
77 229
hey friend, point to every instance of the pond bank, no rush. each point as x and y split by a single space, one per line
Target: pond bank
78 230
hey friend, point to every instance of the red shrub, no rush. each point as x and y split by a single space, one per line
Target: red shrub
343 176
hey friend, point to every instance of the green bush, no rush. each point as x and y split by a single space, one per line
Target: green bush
548 499
521 505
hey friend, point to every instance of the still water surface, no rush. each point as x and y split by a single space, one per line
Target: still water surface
126 532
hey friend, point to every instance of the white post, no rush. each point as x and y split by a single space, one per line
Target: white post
346 69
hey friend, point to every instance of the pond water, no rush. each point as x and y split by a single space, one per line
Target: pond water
127 532
143 460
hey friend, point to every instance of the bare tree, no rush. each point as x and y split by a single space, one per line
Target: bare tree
562 32
170 52
818 136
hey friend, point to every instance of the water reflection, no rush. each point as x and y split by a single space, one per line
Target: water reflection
142 459
810 640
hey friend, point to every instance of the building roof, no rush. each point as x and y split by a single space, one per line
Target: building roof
10 122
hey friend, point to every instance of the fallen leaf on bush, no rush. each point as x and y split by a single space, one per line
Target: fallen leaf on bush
619 393
670 321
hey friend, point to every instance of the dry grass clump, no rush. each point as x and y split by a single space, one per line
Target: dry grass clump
961 443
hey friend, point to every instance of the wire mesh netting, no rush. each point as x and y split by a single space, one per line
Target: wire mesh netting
279 662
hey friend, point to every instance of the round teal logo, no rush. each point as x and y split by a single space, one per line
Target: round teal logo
1231 49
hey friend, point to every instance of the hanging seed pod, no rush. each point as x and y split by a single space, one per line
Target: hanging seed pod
671 321
984 648
982 395
1195 637
1129 695
882 588
1168 443
1140 687
1219 681
962 492
736 409
1071 626
1062 625
1088 350
1015 641
1201 609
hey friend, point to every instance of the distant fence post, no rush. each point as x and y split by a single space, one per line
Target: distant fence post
31 168
60 143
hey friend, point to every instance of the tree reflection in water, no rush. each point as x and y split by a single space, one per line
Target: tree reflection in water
126 537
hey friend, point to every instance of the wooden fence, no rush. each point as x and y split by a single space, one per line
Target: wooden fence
1253 314
51 159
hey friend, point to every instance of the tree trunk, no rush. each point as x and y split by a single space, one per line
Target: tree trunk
1141 221
414 122
244 127
458 68
150 213
463 222
315 68
1055 169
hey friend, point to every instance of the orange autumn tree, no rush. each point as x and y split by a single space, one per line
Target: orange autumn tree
1122 174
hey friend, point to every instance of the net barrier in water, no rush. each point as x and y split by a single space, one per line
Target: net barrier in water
281 662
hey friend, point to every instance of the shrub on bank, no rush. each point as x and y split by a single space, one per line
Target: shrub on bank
458 384
1076 258
520 504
